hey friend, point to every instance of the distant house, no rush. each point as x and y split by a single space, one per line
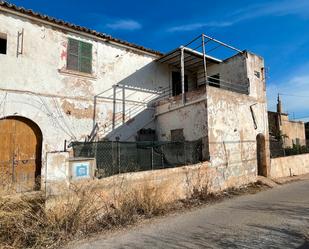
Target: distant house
281 128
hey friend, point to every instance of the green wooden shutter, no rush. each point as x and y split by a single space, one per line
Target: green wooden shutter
85 57
72 57
79 56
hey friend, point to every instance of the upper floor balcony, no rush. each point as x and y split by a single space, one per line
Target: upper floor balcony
193 69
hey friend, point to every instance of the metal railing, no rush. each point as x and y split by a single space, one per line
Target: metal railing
235 87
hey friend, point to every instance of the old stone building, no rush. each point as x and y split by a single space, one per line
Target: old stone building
62 83
289 131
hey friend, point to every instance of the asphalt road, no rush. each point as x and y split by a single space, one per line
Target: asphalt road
276 218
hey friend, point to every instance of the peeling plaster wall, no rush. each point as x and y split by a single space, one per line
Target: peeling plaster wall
36 84
233 70
293 130
290 130
191 118
232 132
225 119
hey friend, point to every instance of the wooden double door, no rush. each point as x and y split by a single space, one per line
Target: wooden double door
20 155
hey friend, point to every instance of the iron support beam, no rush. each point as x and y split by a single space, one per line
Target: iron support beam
204 61
222 43
182 65
114 105
123 105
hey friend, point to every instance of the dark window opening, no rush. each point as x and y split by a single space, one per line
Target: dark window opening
176 83
177 135
257 74
79 56
214 80
3 45
146 135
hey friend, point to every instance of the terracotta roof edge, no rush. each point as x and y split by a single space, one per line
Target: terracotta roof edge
59 22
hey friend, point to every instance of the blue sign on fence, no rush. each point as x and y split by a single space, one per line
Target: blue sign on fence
81 170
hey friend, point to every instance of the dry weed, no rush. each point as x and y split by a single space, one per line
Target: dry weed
39 223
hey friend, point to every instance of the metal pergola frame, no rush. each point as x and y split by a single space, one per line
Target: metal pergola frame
186 57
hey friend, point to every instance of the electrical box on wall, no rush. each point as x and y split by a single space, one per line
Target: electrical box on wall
82 168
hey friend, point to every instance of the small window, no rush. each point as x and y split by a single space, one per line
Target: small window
214 80
79 56
176 83
3 43
177 135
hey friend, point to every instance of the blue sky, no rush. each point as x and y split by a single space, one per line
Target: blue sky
276 30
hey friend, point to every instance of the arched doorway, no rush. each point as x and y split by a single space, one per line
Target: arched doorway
261 155
20 154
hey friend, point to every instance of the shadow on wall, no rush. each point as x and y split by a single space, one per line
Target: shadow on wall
131 99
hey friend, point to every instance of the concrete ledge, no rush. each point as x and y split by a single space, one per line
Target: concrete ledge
175 183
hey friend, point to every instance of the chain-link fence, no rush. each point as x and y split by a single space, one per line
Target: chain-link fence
121 157
278 149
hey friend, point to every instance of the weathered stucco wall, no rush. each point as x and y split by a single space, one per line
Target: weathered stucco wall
173 184
289 166
36 84
191 118
232 133
234 121
232 70
293 131
229 121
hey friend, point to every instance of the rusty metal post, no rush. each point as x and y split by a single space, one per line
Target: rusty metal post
208 145
204 60
114 106
182 65
152 157
123 105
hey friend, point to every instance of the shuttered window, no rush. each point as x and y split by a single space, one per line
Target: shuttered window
79 56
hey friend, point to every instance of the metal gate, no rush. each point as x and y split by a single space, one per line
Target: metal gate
20 154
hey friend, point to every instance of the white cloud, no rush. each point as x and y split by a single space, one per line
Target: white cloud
196 26
123 24
277 8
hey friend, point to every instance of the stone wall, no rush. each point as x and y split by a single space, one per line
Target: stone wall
289 166
174 183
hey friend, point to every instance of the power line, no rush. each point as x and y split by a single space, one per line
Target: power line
302 117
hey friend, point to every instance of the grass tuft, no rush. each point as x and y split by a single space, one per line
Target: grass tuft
34 222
